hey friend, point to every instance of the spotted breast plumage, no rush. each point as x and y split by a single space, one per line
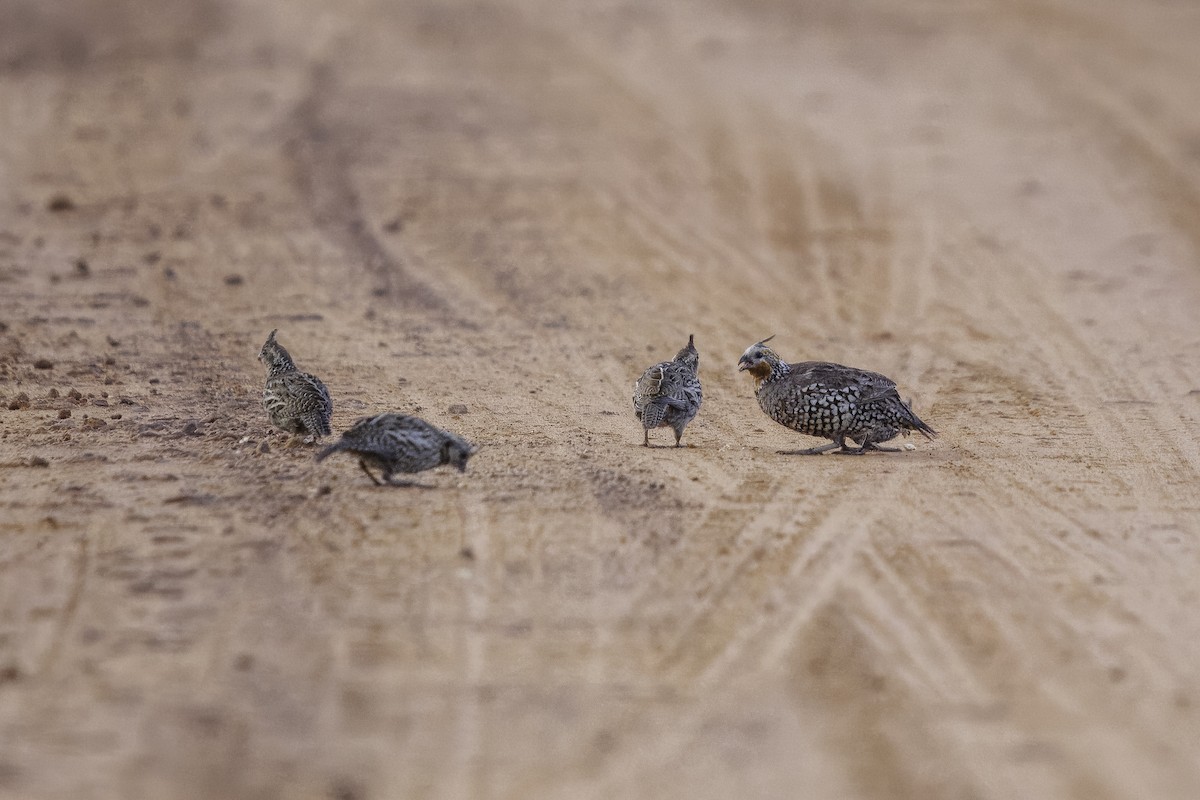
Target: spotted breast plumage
296 401
669 394
831 401
395 443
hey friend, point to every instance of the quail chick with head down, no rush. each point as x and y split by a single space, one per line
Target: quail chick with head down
831 401
395 443
668 394
296 401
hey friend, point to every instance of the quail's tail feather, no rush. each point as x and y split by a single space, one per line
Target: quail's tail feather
911 421
316 423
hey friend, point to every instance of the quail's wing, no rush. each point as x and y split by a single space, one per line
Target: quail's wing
649 387
305 391
675 383
376 427
871 385
367 435
359 425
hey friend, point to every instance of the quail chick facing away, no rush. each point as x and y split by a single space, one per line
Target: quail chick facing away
398 443
831 401
669 394
296 401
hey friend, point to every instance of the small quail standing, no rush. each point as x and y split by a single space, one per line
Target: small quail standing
295 401
399 443
668 394
831 401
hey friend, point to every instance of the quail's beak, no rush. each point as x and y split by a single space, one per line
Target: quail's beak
743 364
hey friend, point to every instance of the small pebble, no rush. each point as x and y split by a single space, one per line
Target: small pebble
20 401
43 363
234 280
64 414
263 448
94 423
458 408
60 202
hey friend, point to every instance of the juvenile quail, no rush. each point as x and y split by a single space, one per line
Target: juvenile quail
296 401
669 394
399 443
830 401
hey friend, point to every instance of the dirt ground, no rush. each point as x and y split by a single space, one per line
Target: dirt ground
516 207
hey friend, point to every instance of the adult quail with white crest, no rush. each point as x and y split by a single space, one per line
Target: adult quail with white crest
831 401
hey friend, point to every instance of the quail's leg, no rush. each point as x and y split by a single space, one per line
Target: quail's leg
678 436
815 451
374 480
867 444
645 437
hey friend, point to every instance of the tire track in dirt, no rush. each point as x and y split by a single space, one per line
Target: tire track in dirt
1064 365
828 237
70 609
821 563
468 734
909 639
795 535
1108 384
1058 365
321 164
1073 77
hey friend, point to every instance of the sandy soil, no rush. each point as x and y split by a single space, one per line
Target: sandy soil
515 207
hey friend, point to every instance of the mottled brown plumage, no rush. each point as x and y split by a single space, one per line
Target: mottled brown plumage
296 401
399 443
831 401
669 394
